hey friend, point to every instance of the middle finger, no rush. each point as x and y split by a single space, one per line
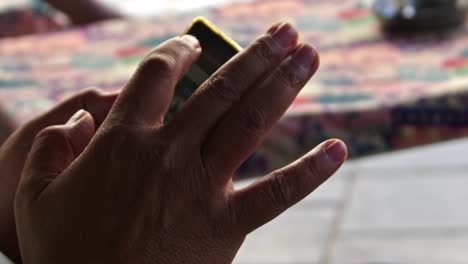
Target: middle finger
250 120
216 96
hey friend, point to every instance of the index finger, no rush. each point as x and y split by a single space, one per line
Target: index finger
224 88
145 99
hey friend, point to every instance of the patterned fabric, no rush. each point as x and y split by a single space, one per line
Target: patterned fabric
30 19
376 92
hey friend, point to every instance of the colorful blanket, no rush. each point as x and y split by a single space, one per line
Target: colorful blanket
32 17
374 91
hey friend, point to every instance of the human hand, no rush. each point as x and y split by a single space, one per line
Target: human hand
14 151
139 191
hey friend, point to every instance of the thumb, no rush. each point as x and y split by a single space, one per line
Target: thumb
56 147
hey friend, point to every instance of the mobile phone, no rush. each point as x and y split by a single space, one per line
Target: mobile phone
217 49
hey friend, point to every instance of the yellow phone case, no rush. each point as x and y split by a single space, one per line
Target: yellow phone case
217 49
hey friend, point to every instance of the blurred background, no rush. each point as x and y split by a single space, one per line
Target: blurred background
393 84
145 8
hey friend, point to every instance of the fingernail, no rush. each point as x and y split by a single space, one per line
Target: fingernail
305 57
191 40
274 27
76 117
336 151
285 35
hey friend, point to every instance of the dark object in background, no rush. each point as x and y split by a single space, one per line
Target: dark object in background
414 16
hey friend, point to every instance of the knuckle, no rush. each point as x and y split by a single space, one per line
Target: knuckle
92 93
158 62
220 88
287 77
51 133
253 121
120 134
180 45
89 96
84 98
280 191
263 51
312 168
49 136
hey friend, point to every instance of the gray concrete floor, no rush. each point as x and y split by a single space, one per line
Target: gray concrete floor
402 207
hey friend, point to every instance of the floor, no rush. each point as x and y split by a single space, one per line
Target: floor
402 207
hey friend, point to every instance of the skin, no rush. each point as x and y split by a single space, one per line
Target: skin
136 190
14 151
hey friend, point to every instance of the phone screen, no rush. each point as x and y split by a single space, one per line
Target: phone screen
217 49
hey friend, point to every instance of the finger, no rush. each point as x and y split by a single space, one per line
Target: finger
264 200
249 121
216 96
146 98
54 148
95 101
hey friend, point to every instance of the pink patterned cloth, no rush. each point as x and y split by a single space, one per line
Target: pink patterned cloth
376 92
